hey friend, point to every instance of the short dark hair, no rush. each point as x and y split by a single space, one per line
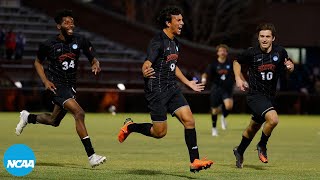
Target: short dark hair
165 15
266 26
222 46
61 14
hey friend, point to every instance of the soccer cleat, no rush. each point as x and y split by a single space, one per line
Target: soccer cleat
239 158
199 165
223 123
96 160
23 122
124 133
262 154
214 132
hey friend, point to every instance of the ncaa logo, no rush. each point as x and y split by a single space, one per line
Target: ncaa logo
19 160
275 58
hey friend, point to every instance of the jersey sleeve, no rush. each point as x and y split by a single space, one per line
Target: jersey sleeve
88 49
245 57
153 50
43 52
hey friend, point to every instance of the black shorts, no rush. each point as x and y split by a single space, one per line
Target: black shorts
218 94
259 105
63 94
160 103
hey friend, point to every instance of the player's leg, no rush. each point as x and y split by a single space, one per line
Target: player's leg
79 115
226 108
179 107
247 137
214 117
185 116
53 119
271 122
215 102
157 129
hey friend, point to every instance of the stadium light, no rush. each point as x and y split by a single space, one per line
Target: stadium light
18 84
121 86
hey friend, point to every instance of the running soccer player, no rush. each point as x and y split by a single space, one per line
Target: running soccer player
266 62
220 72
162 92
63 51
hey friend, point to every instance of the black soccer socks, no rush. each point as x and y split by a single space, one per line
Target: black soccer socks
214 118
225 112
32 118
264 140
190 136
245 142
87 145
142 128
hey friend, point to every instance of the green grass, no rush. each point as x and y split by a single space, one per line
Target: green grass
293 149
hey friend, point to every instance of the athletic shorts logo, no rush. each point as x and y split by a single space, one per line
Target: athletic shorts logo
177 48
275 58
19 160
75 46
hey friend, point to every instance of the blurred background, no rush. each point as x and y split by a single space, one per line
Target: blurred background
120 30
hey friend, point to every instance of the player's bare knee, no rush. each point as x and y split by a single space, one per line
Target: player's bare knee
160 134
273 122
214 111
189 123
229 107
79 115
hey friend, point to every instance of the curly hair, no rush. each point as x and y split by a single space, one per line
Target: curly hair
165 15
61 14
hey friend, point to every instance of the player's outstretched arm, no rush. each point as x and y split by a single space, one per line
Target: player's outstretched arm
95 67
240 81
192 84
147 70
39 68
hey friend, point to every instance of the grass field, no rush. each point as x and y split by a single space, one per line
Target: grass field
293 150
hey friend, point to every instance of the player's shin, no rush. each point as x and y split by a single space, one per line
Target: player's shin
87 145
191 141
143 128
245 142
264 140
32 118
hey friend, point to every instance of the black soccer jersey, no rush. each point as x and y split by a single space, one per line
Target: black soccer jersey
63 57
163 52
264 68
221 74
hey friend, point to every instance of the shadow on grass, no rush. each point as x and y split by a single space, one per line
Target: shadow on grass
245 166
68 165
152 173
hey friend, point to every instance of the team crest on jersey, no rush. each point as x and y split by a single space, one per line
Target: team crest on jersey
58 50
177 48
75 46
275 58
228 66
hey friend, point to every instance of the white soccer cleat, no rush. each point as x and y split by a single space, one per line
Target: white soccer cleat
214 132
96 160
23 122
223 123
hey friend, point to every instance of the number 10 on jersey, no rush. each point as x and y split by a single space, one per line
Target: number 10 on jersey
267 75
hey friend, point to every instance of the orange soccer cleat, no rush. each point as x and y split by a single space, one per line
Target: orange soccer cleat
199 165
124 133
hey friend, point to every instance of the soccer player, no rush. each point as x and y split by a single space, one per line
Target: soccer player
221 75
266 62
162 92
63 51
